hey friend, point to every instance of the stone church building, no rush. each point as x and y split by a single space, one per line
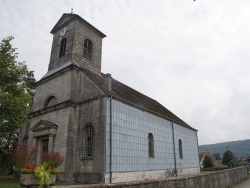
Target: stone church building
106 131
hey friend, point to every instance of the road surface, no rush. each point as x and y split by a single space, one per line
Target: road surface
244 184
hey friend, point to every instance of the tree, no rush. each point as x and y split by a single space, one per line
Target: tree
227 157
16 90
217 156
207 162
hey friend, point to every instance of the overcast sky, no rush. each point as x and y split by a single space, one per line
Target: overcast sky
191 56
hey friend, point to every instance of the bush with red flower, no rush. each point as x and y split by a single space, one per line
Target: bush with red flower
52 159
28 168
23 156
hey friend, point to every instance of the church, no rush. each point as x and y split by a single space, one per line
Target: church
107 131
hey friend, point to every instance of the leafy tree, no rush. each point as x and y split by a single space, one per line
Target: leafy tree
217 156
16 92
227 157
208 162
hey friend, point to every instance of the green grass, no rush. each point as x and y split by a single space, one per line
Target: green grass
8 181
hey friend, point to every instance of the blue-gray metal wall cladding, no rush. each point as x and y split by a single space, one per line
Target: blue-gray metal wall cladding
130 129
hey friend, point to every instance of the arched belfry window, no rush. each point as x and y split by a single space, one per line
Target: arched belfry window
88 141
180 149
150 145
87 49
63 47
50 101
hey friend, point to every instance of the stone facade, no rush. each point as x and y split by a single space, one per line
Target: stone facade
100 125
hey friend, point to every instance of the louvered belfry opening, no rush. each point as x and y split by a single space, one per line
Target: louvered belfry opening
87 50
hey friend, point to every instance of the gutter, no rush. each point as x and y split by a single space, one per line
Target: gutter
110 142
175 168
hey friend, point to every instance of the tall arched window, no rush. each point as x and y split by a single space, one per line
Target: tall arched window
63 47
88 141
150 145
87 49
180 149
50 101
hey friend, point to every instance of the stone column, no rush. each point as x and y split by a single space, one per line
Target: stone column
34 144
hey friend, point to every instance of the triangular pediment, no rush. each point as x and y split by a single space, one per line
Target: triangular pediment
44 124
65 18
68 18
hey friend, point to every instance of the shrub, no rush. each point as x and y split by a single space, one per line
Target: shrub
28 168
22 155
208 162
43 175
53 159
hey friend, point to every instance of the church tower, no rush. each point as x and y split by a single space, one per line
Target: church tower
67 103
78 42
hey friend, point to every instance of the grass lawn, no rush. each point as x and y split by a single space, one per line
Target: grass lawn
8 181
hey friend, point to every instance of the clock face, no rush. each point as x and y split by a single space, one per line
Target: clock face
63 32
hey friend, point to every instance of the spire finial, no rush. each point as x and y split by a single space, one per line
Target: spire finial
72 10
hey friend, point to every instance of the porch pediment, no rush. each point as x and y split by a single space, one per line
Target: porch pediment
44 127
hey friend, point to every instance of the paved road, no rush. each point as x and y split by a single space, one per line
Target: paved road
244 184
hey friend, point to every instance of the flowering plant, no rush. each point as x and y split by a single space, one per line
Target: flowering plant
22 158
28 168
52 159
22 155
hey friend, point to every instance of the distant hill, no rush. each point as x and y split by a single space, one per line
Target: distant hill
240 148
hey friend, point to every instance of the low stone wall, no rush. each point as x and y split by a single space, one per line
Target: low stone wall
218 179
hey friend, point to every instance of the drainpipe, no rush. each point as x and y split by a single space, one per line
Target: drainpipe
175 168
108 84
110 142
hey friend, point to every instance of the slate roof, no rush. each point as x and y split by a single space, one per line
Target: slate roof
124 93
133 97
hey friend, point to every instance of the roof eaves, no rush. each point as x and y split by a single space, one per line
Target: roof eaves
75 17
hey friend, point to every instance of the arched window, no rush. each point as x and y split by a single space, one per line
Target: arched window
50 101
150 145
87 49
63 47
88 140
180 149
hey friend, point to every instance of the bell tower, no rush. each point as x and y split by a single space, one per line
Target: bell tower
76 41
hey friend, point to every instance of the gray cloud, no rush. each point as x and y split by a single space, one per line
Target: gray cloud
190 56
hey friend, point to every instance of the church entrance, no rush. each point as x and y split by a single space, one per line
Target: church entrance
42 147
45 146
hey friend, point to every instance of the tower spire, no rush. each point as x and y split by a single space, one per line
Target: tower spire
72 10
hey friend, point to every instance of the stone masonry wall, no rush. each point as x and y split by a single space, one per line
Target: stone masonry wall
218 179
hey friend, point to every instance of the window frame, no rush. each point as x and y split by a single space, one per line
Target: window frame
87 49
86 148
48 101
180 149
63 45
